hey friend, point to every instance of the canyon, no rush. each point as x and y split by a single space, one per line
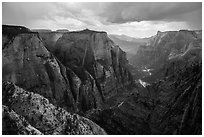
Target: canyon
81 82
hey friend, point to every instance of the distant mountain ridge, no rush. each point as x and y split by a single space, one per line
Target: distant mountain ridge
128 38
129 44
49 30
167 48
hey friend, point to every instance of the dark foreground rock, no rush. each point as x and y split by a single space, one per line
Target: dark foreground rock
13 124
27 108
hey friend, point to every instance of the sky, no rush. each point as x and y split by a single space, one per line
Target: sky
134 19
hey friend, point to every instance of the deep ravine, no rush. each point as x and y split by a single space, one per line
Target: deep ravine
80 82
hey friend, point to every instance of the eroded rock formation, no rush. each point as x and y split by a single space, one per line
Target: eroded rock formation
27 63
28 108
99 65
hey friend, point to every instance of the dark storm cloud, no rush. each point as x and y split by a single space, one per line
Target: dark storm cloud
130 12
28 13
108 12
135 19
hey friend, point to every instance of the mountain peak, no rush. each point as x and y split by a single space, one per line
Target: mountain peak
14 30
159 32
88 31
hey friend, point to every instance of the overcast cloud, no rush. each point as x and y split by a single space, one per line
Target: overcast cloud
133 19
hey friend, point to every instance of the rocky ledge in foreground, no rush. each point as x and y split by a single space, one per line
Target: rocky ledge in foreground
29 113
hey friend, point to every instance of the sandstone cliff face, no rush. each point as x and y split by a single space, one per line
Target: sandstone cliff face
49 39
27 63
28 108
100 65
78 71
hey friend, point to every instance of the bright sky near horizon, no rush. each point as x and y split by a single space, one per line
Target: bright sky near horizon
133 19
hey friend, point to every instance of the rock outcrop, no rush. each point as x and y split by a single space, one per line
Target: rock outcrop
28 108
13 124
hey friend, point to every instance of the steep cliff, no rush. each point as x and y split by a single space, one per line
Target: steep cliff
49 39
78 71
99 64
27 63
178 102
